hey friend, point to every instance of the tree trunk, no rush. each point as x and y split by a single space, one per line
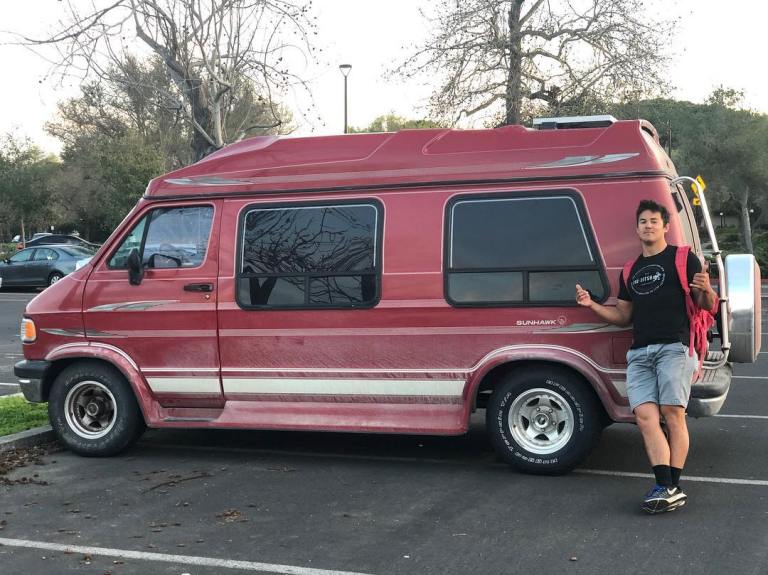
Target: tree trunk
746 227
201 115
513 97
218 132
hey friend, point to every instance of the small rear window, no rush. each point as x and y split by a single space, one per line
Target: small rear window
520 250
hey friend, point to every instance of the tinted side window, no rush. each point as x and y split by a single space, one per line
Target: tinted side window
45 255
22 256
311 256
530 250
168 238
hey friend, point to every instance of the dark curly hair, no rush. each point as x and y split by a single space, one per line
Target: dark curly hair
654 207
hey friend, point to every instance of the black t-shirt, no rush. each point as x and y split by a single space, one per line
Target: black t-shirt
658 300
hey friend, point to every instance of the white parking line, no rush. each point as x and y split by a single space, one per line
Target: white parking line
743 416
687 478
178 559
749 377
10 384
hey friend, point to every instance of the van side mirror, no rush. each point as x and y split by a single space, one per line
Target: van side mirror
135 269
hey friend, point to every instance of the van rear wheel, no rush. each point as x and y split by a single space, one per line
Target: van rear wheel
93 410
543 420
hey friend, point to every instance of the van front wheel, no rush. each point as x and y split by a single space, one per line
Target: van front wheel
93 410
543 420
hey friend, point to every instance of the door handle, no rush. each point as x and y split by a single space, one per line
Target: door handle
199 287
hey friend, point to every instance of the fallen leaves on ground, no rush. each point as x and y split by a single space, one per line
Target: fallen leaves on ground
231 516
17 458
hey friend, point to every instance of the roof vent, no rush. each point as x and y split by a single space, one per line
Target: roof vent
567 122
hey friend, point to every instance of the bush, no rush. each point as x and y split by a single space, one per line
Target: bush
760 242
7 250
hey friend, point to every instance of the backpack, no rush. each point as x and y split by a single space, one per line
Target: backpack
700 320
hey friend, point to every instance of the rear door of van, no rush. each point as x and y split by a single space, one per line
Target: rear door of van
167 323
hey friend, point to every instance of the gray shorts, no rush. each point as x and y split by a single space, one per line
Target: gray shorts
660 373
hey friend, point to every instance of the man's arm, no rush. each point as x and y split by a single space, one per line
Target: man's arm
621 315
702 292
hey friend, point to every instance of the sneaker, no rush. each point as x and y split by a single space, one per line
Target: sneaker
660 499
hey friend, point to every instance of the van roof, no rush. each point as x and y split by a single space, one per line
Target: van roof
272 164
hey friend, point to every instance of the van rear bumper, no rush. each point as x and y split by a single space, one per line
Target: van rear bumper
31 373
708 395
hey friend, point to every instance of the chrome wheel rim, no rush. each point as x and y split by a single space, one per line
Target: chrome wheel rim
541 421
90 409
54 279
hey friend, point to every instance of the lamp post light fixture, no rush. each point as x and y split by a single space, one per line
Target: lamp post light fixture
345 68
722 220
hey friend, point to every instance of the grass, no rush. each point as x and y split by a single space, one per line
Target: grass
17 414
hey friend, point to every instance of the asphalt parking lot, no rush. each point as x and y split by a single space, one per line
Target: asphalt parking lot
12 305
320 504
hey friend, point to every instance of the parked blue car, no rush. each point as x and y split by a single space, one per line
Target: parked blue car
43 239
43 266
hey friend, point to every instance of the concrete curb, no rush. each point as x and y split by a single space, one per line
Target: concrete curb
29 438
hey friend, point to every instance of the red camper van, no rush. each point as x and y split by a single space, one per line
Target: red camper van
389 283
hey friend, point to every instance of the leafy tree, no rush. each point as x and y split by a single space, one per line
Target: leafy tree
26 177
118 134
124 104
720 141
514 53
393 123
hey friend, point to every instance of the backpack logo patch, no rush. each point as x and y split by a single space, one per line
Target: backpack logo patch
647 279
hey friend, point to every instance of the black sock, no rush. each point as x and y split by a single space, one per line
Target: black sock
663 475
676 472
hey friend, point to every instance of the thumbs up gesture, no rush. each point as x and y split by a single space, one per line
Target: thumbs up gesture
582 297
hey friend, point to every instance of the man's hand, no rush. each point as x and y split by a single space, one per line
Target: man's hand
701 280
620 314
583 297
701 289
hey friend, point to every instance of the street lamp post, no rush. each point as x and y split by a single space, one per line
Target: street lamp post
345 68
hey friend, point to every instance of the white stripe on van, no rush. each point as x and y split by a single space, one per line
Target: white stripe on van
184 384
415 387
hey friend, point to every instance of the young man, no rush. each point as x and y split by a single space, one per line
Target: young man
659 367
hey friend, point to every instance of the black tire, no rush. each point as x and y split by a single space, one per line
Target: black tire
93 410
54 277
558 420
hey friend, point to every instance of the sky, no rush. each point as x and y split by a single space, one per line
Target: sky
715 44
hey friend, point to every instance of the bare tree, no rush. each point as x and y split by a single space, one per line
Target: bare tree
209 49
512 52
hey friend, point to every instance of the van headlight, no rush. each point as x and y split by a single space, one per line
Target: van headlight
28 331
